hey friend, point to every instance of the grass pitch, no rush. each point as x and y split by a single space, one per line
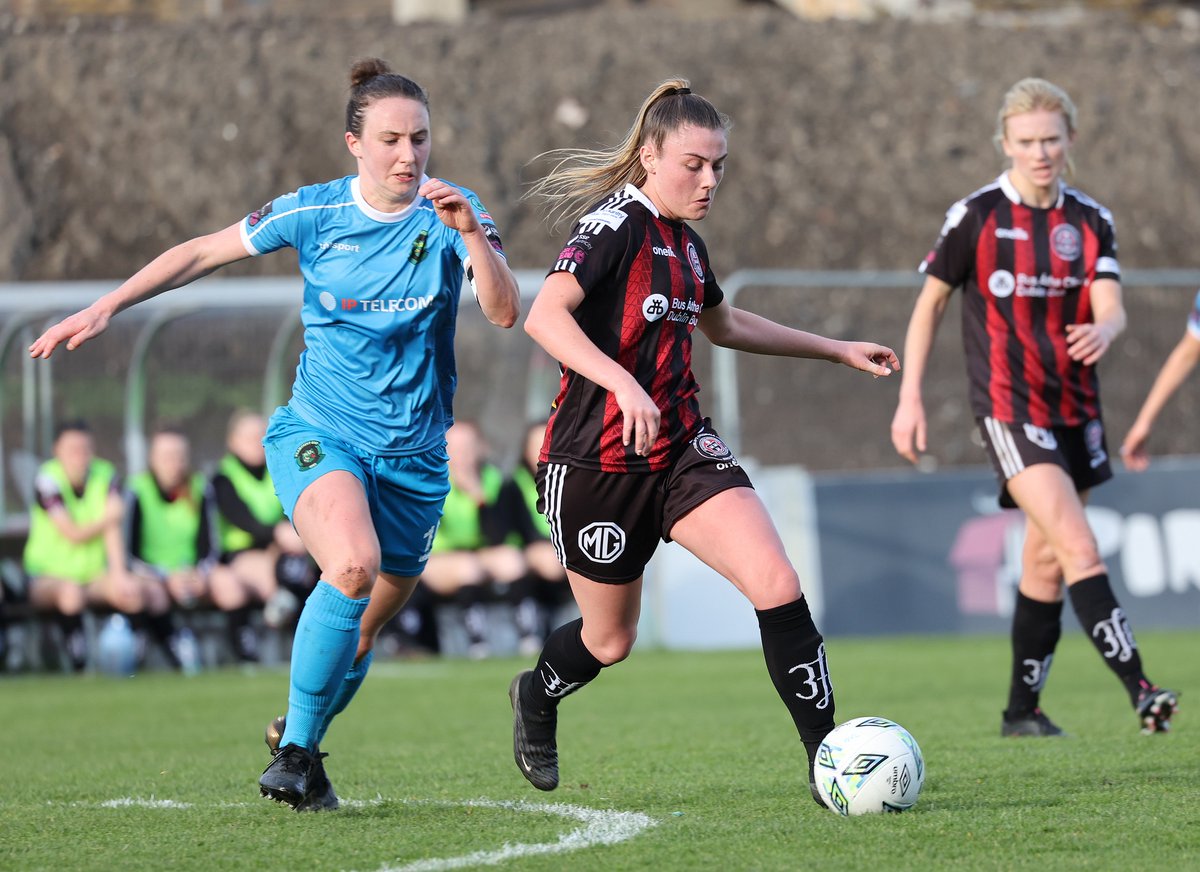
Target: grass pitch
670 761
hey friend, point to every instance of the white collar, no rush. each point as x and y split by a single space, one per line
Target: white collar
635 192
373 213
1010 191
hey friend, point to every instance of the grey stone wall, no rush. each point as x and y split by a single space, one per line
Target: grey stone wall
119 139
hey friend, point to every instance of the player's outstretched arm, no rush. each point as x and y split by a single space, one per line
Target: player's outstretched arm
908 424
1178 365
740 330
173 268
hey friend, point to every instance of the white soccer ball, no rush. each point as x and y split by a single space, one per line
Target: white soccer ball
869 765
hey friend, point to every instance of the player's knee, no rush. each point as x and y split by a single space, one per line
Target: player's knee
778 586
129 602
1042 566
354 577
1081 558
614 646
70 599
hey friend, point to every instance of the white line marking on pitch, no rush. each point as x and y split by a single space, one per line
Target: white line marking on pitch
600 827
138 802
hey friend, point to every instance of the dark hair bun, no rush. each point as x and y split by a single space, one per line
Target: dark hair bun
365 70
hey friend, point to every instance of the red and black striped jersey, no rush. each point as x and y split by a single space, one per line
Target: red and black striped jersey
645 282
1026 274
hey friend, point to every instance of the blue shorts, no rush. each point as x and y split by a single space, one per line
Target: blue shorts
406 493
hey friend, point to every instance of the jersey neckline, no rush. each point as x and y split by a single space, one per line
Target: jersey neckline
1010 191
376 215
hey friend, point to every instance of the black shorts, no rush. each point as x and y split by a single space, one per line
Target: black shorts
1080 451
607 525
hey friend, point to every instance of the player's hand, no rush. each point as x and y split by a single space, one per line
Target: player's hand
1133 449
869 357
1086 343
451 206
74 330
114 511
908 429
641 418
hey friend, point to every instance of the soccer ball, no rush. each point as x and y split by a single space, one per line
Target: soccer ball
869 765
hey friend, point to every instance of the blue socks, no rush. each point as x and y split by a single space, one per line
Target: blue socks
322 654
346 690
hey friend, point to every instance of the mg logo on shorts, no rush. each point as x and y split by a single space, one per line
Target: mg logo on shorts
602 542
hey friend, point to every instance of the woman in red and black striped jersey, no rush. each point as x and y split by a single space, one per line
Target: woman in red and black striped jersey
1041 305
628 460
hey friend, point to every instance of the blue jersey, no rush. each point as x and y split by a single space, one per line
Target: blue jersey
380 306
1194 318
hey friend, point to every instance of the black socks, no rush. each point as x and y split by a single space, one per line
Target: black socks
1036 629
564 666
795 655
1105 624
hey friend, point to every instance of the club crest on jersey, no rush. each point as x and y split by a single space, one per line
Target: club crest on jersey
309 455
694 259
711 445
260 213
1002 283
418 248
1066 242
654 307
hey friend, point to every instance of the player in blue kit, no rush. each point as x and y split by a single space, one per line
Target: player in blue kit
358 455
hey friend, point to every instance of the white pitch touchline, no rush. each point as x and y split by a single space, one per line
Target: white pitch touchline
600 828
138 802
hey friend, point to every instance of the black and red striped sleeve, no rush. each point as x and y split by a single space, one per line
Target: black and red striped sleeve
953 255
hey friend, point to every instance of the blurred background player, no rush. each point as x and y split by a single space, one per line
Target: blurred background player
75 555
1042 304
1175 369
171 534
543 590
256 542
469 553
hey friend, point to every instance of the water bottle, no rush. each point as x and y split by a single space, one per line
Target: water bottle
117 646
188 651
